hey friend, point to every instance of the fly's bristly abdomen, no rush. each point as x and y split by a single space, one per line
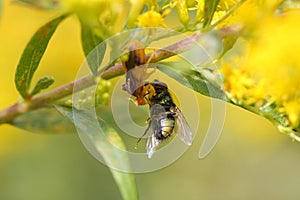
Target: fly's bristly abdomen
165 127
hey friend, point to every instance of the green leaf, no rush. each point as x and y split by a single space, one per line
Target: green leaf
209 10
105 142
228 44
45 121
200 82
42 84
33 54
90 43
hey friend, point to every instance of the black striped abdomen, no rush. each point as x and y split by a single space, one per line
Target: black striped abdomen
165 127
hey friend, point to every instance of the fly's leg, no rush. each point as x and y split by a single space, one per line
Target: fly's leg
147 75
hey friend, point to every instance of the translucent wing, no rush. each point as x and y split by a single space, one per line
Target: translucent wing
152 142
184 131
157 111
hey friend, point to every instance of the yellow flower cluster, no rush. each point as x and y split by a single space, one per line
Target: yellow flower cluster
248 12
268 78
241 88
151 18
155 17
221 10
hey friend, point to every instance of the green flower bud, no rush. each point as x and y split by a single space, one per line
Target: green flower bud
103 92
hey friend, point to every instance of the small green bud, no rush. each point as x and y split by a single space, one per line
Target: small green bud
190 3
69 102
105 98
82 94
124 57
103 92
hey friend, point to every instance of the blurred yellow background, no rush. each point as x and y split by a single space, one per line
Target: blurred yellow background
251 160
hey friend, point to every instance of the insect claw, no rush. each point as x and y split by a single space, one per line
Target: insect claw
148 120
132 100
136 146
137 142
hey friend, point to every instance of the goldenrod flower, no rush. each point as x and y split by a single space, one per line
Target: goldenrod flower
200 10
151 18
182 8
225 5
222 8
292 109
182 12
248 13
267 80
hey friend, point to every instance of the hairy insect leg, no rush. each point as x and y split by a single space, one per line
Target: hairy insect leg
148 91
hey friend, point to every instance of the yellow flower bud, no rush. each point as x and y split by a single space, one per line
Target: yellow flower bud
292 109
182 11
199 14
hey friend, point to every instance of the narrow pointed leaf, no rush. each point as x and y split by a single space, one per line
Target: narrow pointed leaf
105 142
193 79
44 121
209 10
33 54
42 84
90 41
228 44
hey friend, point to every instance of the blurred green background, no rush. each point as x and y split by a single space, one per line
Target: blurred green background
251 160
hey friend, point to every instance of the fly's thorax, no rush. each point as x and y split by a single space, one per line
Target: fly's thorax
159 110
161 97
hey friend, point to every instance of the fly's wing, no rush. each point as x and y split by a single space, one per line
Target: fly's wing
157 111
152 143
184 131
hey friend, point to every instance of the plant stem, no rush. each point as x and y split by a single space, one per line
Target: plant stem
9 114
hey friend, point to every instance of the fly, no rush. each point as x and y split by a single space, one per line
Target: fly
164 117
